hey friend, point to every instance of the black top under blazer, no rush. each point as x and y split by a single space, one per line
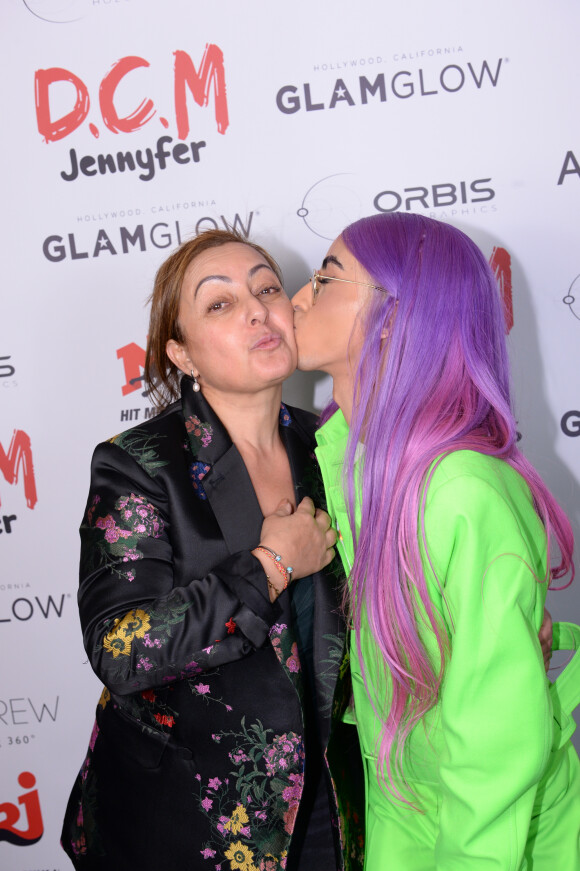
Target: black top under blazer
197 756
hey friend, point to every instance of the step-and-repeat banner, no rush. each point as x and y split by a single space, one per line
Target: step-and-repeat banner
129 126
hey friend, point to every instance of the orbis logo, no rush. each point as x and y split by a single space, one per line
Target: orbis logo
435 196
188 81
335 201
22 824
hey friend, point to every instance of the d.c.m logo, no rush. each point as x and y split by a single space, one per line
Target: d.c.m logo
19 456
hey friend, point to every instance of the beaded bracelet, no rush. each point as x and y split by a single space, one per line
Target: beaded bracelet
286 572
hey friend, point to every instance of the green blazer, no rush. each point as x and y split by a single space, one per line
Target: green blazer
490 766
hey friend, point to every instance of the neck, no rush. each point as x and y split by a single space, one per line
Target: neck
251 419
342 393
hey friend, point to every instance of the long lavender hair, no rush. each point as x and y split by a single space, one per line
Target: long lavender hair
438 383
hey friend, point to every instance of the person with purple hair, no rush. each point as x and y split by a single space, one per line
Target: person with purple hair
448 537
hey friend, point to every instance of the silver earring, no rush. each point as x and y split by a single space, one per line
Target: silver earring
196 388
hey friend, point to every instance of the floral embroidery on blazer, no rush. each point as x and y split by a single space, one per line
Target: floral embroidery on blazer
198 745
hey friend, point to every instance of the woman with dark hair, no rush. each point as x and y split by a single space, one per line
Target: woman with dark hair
448 535
204 604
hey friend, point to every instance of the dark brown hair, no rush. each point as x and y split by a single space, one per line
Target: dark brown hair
161 375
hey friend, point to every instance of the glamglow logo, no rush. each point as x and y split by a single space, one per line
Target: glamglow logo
22 824
400 85
126 76
137 237
23 609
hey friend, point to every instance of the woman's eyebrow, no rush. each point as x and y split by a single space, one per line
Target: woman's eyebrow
211 278
330 258
258 266
251 273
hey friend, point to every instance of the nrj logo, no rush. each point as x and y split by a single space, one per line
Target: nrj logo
58 85
22 824
19 459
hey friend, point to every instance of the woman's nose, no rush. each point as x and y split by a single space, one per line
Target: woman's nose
303 297
257 310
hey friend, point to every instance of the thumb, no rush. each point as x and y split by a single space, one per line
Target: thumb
283 508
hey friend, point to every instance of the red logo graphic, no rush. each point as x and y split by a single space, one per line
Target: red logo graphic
133 357
19 456
501 266
30 803
187 79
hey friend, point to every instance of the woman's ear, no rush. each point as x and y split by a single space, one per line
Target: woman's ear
179 356
387 330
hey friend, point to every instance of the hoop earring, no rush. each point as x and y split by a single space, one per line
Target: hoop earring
195 386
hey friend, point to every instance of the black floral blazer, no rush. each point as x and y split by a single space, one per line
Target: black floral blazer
196 760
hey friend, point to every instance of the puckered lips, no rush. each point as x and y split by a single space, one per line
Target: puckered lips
268 342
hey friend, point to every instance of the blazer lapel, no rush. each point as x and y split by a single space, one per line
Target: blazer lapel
239 516
235 506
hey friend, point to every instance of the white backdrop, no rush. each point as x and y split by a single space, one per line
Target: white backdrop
288 121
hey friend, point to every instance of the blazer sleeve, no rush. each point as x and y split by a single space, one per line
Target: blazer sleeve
139 629
495 710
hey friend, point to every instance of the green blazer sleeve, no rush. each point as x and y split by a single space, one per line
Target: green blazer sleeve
485 542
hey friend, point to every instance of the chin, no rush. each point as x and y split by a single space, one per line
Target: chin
276 374
306 364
